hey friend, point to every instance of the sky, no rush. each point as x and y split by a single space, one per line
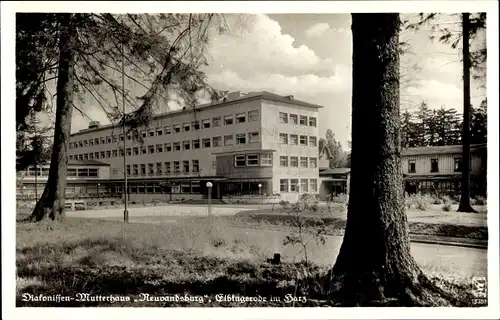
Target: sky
309 56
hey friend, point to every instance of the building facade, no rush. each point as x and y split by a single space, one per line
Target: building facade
439 169
247 143
84 179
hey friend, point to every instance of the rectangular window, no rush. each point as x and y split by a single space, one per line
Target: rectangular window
151 169
252 160
283 185
266 159
241 118
114 138
195 187
168 147
206 142
122 153
129 152
303 140
313 162
196 144
185 165
91 156
458 164
159 148
239 161
216 121
128 170
177 146
196 165
151 149
108 139
83 172
151 133
253 115
303 120
159 131
71 172
144 150
312 121
136 151
115 153
195 124
91 142
294 119
177 166
144 134
411 166
186 144
186 187
304 187
159 169
85 143
284 161
217 141
103 140
434 165
294 139
168 130
96 141
303 162
241 138
253 137
136 169
186 127
228 140
167 168
177 128
206 123
294 161
313 185
228 120
283 117
283 138
294 185
141 188
103 155
143 169
313 141
108 154
85 156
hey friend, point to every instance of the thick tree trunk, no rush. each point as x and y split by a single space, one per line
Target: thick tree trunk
375 265
51 203
465 205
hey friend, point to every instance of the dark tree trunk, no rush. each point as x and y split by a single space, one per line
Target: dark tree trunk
465 205
375 265
51 203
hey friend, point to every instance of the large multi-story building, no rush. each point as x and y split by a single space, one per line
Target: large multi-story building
256 142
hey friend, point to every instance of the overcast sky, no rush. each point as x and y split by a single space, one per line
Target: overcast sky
310 57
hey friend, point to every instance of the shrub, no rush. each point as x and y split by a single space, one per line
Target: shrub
284 204
479 201
314 207
446 207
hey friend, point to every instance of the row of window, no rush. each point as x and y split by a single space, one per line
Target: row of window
162 168
303 162
227 140
218 121
296 119
412 165
72 172
292 185
294 139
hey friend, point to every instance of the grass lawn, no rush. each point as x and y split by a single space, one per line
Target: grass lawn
199 257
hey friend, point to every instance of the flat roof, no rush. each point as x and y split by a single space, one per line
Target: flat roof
441 150
251 96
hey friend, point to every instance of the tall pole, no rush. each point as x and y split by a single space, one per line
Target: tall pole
125 211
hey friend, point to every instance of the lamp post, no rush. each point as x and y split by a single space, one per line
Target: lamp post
260 193
98 192
209 187
22 194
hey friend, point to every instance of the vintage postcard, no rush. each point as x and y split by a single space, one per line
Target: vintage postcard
253 160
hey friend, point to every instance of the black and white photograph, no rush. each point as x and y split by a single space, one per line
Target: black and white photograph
260 160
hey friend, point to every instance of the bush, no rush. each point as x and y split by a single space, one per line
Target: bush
284 204
479 201
446 207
